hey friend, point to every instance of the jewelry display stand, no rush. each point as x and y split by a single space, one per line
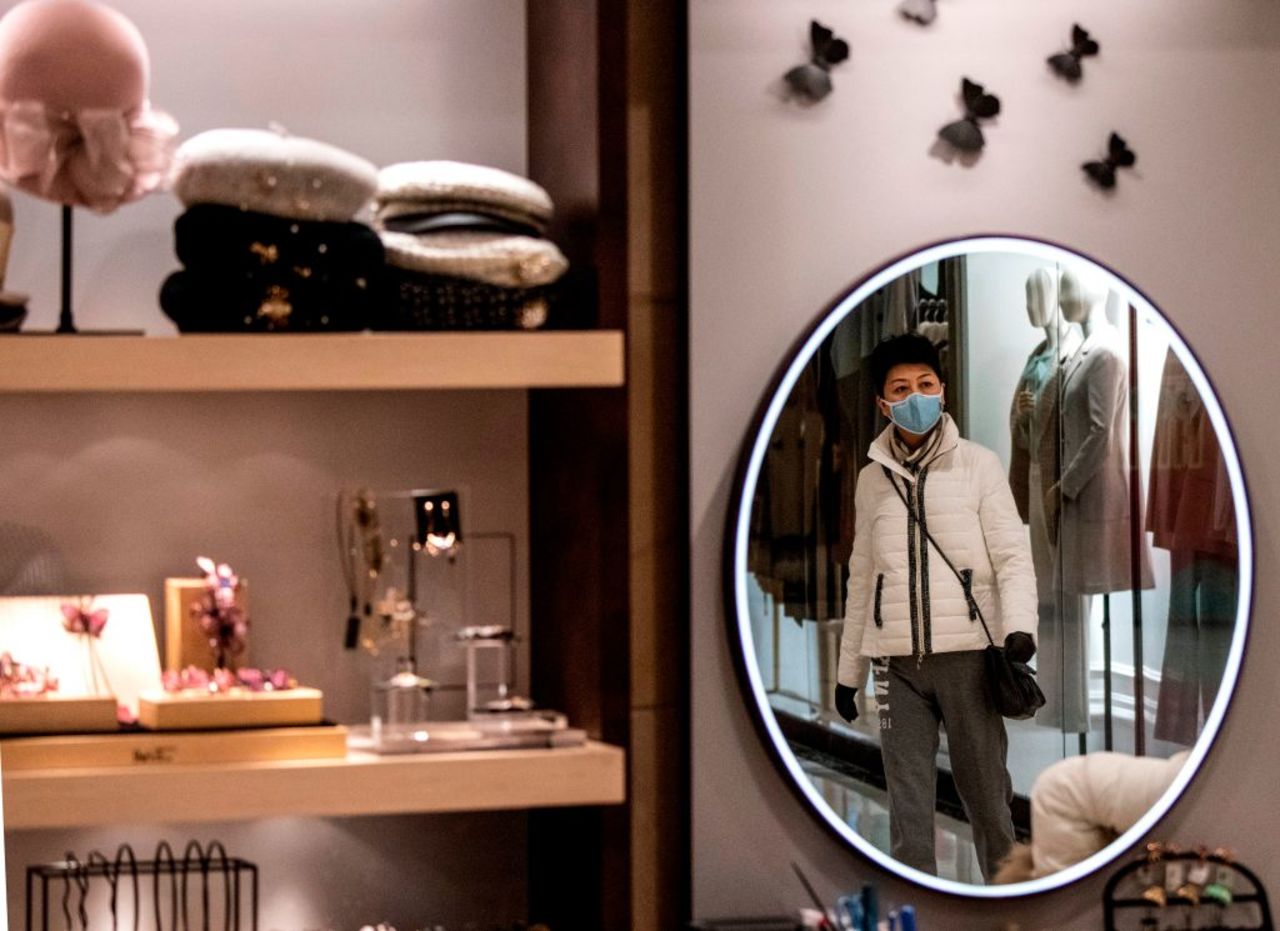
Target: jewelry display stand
525 730
218 890
1127 908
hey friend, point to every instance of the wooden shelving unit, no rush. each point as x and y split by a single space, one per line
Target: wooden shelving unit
360 784
312 362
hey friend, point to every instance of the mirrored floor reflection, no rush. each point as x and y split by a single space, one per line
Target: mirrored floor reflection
865 809
1031 748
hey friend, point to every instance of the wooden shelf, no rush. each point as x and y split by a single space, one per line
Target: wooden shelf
312 362
360 784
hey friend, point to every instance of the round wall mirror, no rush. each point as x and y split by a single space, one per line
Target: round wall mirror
993 442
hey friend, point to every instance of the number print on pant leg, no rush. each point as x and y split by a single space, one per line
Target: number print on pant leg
880 676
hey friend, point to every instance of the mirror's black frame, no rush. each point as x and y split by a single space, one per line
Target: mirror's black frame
738 512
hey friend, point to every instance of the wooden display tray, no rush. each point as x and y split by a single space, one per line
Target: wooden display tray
180 711
206 747
57 714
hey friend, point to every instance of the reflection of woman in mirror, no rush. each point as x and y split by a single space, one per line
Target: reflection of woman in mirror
914 617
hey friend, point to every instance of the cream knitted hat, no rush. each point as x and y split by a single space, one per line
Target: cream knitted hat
493 258
442 187
272 172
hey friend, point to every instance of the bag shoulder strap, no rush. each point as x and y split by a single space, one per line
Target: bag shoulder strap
963 576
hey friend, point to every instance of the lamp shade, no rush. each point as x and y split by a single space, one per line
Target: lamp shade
76 126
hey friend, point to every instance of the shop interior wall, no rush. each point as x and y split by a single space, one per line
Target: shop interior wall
133 487
790 204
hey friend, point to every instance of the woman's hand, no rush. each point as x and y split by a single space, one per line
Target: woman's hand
845 703
1019 647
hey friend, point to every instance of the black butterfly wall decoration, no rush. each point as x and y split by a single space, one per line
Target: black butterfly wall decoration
965 134
1067 64
813 80
1119 155
921 11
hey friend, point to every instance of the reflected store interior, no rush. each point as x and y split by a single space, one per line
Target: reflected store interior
1124 481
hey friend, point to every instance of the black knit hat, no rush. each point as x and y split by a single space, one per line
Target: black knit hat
907 349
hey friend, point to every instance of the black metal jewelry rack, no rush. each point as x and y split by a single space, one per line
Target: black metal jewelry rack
1249 909
160 894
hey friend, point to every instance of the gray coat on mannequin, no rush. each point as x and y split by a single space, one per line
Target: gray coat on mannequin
1093 491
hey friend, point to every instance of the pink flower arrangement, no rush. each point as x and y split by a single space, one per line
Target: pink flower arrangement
223 680
18 680
78 619
82 620
219 613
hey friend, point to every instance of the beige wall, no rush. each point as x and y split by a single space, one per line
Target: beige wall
789 205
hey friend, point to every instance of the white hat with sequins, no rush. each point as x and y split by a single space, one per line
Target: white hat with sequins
270 171
409 188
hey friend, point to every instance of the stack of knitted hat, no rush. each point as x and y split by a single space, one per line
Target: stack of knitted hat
465 248
268 240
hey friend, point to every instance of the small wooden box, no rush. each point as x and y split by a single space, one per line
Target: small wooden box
57 714
185 644
163 711
90 751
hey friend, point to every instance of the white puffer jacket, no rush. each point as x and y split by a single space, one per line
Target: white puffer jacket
1080 804
902 598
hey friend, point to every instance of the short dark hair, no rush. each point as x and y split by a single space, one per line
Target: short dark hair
907 349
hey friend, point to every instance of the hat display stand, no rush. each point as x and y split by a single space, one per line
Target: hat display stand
66 315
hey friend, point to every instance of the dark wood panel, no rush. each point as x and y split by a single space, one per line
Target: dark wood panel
580 860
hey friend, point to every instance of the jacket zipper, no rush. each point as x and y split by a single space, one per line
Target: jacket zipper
912 570
926 612
916 543
879 593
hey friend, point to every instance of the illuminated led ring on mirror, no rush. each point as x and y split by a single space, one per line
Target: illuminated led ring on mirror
739 517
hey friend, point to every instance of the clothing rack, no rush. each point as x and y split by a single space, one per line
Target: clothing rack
221 891
1118 897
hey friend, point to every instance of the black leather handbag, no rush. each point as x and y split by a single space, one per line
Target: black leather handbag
1014 690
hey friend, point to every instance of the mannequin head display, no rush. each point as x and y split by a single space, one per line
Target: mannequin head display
77 125
1042 299
1082 296
907 374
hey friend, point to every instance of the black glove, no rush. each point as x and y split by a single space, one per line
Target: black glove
1019 647
845 703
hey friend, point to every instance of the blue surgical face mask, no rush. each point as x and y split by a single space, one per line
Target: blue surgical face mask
917 413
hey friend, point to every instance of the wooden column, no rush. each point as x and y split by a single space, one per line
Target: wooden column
608 469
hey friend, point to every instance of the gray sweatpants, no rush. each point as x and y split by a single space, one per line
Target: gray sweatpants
913 699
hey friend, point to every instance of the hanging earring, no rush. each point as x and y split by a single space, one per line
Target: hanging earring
1198 875
1221 890
1175 874
1151 874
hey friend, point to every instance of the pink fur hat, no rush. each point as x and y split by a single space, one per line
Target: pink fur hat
76 126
